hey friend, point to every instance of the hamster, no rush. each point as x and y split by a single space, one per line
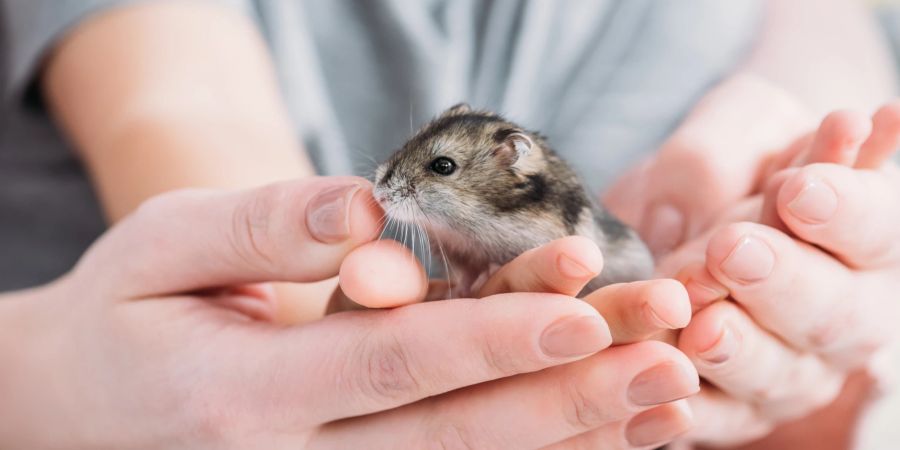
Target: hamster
486 190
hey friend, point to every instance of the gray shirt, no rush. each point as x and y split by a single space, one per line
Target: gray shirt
605 80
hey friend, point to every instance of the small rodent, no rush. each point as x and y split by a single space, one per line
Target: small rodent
486 190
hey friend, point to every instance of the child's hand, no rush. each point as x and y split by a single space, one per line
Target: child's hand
714 158
813 288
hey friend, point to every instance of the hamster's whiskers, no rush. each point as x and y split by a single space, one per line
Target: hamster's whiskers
440 247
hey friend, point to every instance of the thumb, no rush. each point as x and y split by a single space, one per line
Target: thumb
187 240
715 158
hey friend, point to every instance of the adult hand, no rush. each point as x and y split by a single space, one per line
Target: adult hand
141 346
634 311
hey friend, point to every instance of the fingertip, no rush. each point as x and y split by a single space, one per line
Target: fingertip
846 127
668 303
888 116
383 274
769 215
722 243
660 425
839 137
702 289
885 137
365 214
664 227
578 258
741 254
703 331
809 196
710 339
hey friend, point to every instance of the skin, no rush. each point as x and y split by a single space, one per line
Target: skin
730 149
222 374
148 115
157 346
776 94
790 265
150 128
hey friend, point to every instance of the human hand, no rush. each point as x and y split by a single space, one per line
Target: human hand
633 311
715 158
811 286
157 352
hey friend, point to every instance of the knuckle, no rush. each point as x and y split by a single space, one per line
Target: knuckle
164 205
499 360
449 435
250 222
387 371
581 411
210 420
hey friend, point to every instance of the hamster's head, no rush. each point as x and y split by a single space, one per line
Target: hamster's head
460 169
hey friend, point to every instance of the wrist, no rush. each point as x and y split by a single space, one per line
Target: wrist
26 347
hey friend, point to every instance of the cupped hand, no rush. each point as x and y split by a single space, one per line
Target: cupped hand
715 158
811 285
633 312
151 342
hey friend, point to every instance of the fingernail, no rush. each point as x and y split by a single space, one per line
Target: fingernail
656 317
659 425
723 349
662 384
575 336
664 228
327 214
816 203
750 260
703 295
573 269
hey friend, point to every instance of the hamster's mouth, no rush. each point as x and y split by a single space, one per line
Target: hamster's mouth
399 208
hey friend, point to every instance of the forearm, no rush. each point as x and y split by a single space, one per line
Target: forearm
829 53
163 95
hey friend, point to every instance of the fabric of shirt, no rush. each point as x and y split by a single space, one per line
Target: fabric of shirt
604 80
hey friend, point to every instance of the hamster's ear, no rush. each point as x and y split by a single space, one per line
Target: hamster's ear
514 149
457 110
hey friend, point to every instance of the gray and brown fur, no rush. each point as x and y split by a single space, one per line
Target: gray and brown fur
510 193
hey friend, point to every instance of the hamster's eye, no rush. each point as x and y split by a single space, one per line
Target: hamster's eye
443 166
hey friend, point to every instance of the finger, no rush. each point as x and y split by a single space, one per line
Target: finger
619 198
854 214
638 310
721 420
650 429
791 155
533 410
257 301
772 187
748 363
187 240
884 140
702 288
797 292
563 266
694 178
838 139
383 274
356 363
